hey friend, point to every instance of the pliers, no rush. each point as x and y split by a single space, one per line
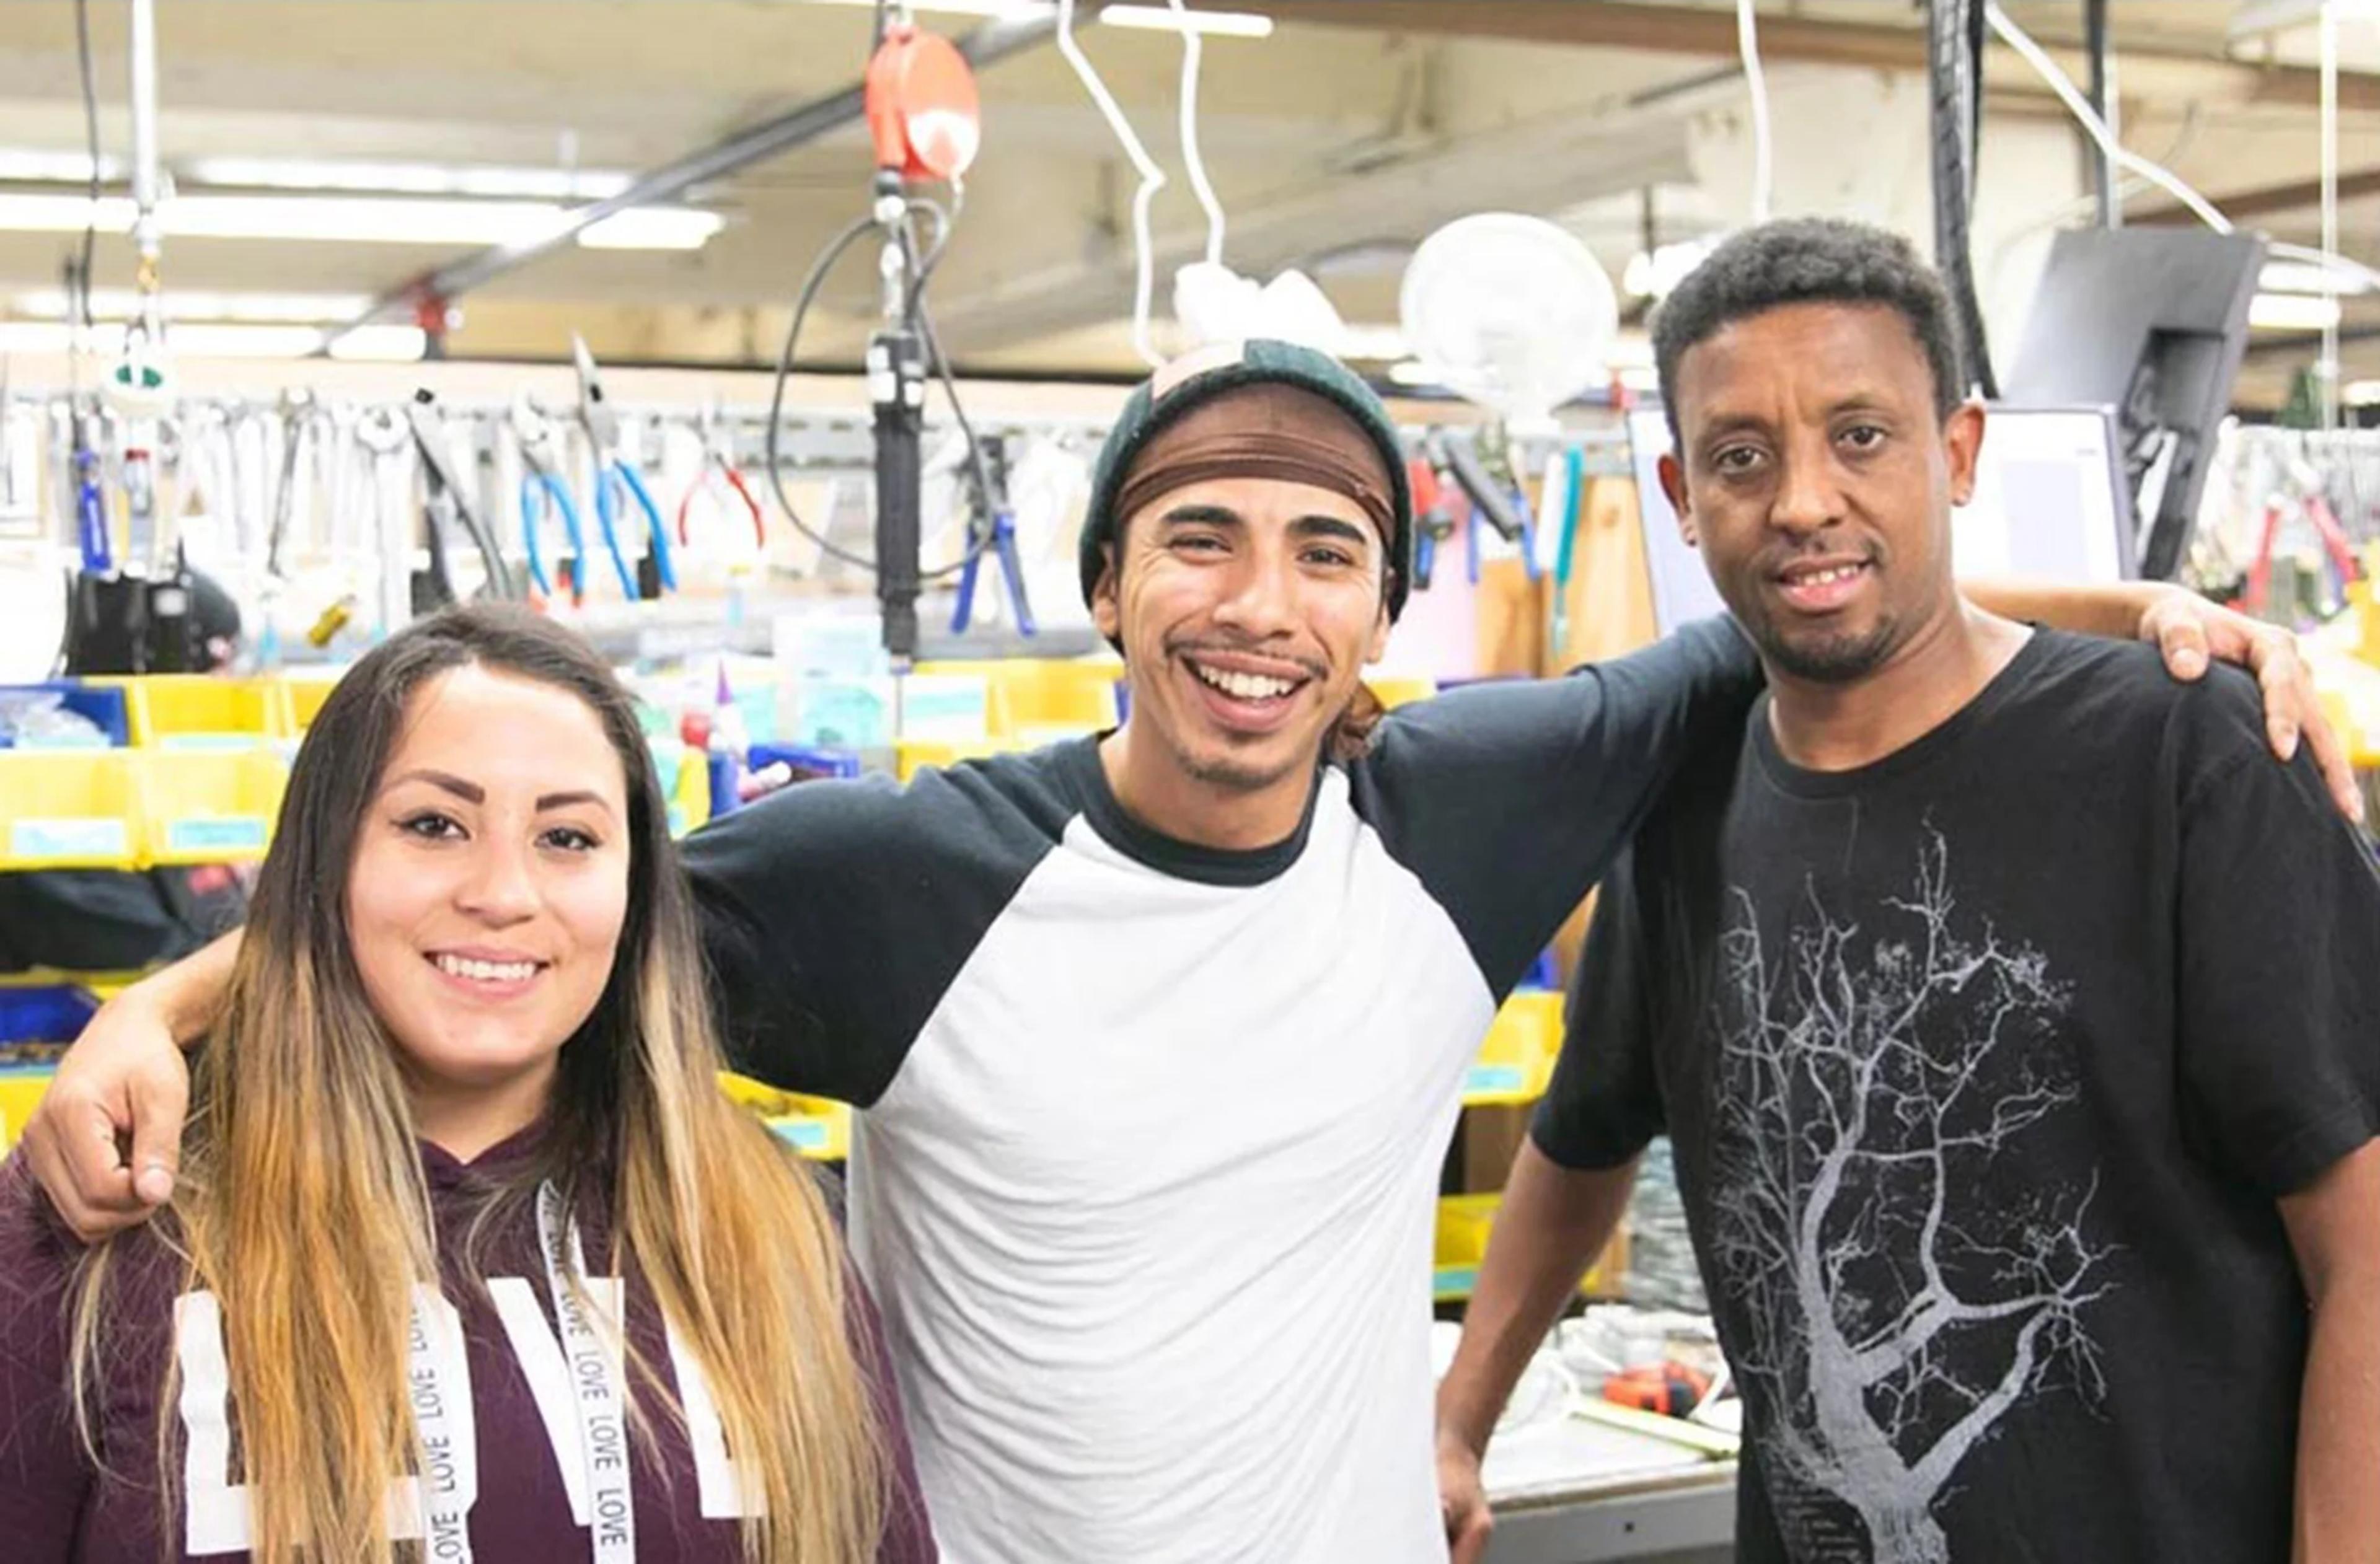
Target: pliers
1001 542
1496 498
1435 512
614 474
91 503
542 490
719 463
446 499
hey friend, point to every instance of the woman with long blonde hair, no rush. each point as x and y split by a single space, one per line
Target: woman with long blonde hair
471 1257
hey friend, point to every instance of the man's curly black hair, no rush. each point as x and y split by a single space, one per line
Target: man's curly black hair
1808 261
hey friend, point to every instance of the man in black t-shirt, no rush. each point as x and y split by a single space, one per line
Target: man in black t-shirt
2017 1032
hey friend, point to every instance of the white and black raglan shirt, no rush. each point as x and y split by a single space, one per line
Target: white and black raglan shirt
1145 1175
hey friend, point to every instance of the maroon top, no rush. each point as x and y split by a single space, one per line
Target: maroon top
54 1507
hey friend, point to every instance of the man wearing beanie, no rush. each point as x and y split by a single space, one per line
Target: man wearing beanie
1159 1036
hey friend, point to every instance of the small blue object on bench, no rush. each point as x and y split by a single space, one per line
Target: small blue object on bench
50 1013
102 705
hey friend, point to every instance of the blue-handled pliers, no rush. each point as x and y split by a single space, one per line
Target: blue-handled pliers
1003 542
543 490
614 474
90 505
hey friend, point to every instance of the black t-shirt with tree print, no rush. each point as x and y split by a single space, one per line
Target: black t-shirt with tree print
1985 1064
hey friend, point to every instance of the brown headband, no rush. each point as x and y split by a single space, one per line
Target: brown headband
1343 467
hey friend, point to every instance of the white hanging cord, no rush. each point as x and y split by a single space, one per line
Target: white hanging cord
2328 378
2080 107
1194 49
1748 43
1152 180
2164 178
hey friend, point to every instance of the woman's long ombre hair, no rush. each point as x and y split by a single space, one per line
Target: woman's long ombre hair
302 1205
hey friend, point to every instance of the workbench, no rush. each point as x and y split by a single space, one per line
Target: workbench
1597 1486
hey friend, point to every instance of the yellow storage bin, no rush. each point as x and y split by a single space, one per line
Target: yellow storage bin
70 808
1041 699
915 755
1516 1060
1393 693
20 1090
814 1126
301 701
202 710
1463 1222
212 806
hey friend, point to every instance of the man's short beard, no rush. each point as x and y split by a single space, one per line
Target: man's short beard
1232 774
1831 658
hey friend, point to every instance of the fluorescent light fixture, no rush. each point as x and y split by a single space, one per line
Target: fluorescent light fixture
1212 24
361 220
1413 372
2361 393
380 344
122 304
243 342
2302 276
29 166
1153 19
34 336
2292 312
652 227
18 165
1002 9
2279 15
407 179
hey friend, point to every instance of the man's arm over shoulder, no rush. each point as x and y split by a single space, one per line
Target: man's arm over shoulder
835 914
1510 799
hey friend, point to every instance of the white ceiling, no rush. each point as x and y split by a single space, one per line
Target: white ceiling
1347 137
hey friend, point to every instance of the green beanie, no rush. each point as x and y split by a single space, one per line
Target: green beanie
1212 374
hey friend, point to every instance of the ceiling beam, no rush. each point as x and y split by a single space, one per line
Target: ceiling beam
2299 195
1527 167
993 40
2147 71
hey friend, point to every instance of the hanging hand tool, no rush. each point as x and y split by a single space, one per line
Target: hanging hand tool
446 499
1566 515
1487 480
719 466
1435 511
543 489
614 474
7 450
1001 541
298 413
2300 496
383 433
90 505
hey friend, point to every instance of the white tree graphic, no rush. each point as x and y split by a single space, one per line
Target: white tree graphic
1900 1299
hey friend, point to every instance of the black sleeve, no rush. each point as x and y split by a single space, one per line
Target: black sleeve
2278 945
835 914
1510 800
1604 1103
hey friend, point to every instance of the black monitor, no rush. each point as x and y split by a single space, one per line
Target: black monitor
2153 322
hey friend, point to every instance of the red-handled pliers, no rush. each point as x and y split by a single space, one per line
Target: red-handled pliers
718 463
